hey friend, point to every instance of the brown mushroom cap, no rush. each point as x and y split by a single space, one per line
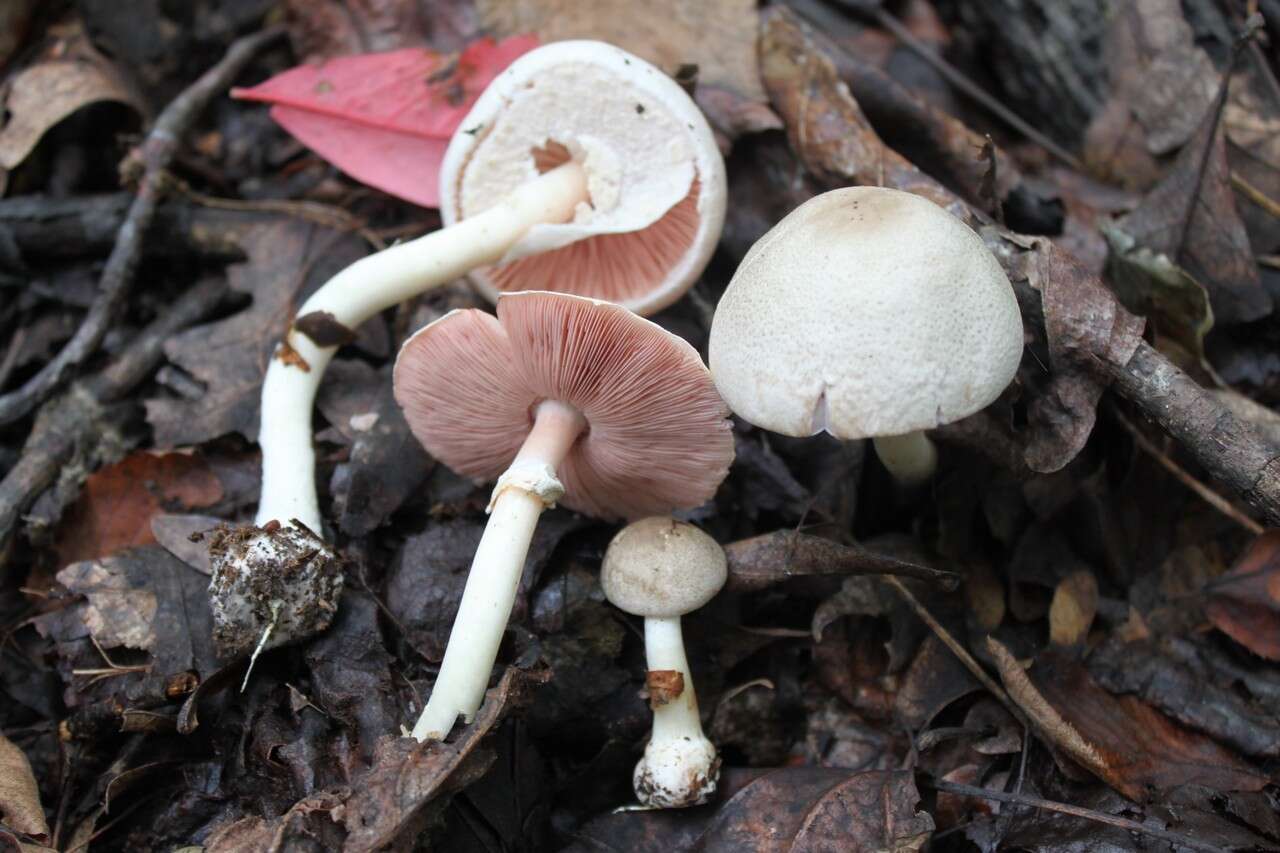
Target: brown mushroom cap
657 437
661 567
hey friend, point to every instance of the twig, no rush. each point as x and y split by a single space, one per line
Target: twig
1255 195
964 84
956 649
1207 494
1225 446
1174 838
155 155
74 421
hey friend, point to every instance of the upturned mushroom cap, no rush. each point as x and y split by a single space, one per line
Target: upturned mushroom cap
865 312
660 567
657 435
655 176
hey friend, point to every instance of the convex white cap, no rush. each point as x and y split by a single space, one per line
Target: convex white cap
659 568
865 312
655 177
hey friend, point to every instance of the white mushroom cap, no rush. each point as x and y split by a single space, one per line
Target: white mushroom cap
655 176
658 567
865 312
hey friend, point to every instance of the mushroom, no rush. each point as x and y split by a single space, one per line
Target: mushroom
560 399
867 312
580 168
661 569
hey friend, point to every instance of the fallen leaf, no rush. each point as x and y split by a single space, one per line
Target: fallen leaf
935 679
1191 217
1075 602
19 793
118 502
717 36
1244 603
287 260
1194 683
770 558
1252 124
1085 326
1121 739
145 598
69 74
796 809
183 537
386 805
385 118
1171 299
1162 83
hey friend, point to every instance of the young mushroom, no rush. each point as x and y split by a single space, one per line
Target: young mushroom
867 312
580 168
661 569
560 399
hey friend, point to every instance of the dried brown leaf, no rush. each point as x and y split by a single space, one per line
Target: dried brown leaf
1085 326
118 502
1124 741
19 793
1191 217
795 809
770 558
1075 603
1244 603
286 260
69 75
1162 84
388 804
718 36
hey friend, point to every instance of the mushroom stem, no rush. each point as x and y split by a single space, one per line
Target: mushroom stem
911 458
664 652
527 488
363 289
679 767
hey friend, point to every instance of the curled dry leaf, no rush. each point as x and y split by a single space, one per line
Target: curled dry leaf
387 804
1085 326
1124 741
69 75
716 36
795 809
1075 602
1244 603
19 794
762 561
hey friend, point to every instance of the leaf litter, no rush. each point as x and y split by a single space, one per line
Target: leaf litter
1130 626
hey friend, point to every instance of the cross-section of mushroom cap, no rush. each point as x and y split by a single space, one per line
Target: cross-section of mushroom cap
655 177
657 435
865 312
661 567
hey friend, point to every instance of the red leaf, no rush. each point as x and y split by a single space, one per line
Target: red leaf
385 118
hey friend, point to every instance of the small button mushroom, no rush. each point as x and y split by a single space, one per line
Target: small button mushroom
661 569
867 313
559 398
554 181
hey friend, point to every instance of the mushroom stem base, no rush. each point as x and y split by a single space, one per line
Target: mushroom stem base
911 458
680 767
